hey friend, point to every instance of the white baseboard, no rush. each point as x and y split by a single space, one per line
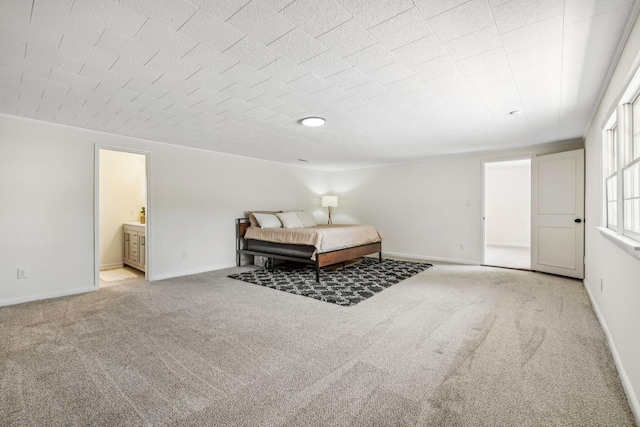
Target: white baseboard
38 297
507 245
111 265
429 258
392 254
189 272
20 300
626 383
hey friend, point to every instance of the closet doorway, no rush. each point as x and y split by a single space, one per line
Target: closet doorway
121 230
507 214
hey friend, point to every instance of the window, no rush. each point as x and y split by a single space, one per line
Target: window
611 175
621 170
631 176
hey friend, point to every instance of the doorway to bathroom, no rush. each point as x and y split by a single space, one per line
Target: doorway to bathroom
121 216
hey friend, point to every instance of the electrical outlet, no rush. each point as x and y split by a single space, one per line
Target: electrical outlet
22 273
185 254
462 246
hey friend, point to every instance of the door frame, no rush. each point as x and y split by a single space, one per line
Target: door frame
96 207
483 184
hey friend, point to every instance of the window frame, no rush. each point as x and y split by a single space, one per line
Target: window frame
610 172
620 154
631 233
632 161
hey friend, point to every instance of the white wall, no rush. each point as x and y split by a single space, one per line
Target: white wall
196 196
507 197
618 304
46 193
123 191
421 208
47 205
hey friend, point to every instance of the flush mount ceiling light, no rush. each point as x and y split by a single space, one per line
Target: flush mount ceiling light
313 121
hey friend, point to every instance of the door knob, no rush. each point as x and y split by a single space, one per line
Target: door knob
578 220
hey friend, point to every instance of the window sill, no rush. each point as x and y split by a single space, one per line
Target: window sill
632 246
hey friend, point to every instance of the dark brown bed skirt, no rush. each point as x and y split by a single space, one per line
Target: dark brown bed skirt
297 251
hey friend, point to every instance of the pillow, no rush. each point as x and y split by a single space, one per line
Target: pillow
307 219
252 219
267 220
290 220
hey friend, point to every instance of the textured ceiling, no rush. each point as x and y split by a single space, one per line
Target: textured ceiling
397 80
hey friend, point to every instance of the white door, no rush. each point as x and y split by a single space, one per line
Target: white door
557 214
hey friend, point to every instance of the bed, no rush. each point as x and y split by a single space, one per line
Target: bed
318 245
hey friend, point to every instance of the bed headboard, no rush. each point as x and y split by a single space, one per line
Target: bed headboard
241 227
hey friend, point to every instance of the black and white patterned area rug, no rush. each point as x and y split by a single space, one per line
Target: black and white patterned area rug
347 286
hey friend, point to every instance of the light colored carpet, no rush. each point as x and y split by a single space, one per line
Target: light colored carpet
117 274
451 346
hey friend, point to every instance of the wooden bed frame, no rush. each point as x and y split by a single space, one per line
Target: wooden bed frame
322 259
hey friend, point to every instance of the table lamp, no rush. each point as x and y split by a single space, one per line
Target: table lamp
329 202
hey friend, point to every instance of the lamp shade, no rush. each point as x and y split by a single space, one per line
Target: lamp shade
331 201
